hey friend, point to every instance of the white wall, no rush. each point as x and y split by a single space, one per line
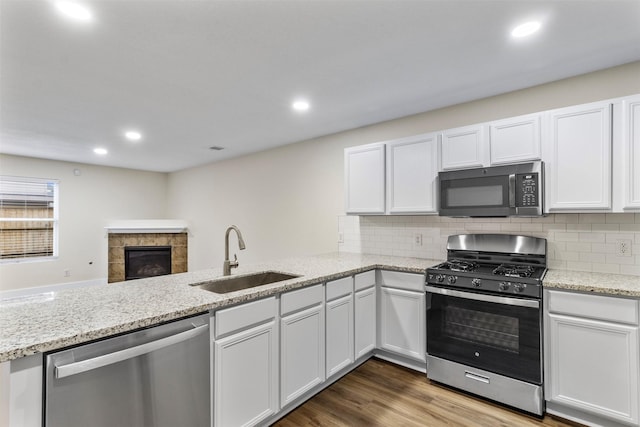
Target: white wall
286 201
87 204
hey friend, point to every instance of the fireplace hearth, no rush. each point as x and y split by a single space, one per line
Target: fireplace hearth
146 261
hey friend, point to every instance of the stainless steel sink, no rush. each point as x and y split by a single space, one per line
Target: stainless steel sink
238 283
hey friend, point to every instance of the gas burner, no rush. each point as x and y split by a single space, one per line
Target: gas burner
461 265
511 270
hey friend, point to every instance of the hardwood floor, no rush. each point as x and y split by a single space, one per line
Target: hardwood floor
379 393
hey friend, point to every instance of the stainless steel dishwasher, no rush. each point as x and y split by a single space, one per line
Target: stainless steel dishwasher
153 377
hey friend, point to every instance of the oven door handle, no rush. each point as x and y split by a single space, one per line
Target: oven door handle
486 298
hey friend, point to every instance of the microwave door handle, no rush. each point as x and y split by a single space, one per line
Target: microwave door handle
512 191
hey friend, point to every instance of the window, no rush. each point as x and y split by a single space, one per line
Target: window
28 218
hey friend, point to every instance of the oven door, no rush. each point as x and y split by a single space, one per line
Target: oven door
494 333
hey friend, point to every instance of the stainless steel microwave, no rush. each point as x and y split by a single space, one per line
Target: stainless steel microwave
509 190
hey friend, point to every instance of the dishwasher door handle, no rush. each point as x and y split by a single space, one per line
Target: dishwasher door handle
129 353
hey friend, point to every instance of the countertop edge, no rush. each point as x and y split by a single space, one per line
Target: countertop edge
595 283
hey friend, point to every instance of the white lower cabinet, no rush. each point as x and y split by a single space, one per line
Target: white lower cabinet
339 324
592 357
245 360
339 334
402 320
302 342
365 321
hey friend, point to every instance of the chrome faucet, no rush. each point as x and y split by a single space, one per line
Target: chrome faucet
228 265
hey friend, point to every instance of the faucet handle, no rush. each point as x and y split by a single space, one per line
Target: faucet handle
234 263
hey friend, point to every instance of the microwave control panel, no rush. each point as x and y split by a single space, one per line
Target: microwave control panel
527 193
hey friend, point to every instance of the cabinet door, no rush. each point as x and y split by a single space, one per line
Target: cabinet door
412 170
302 352
464 147
364 179
593 366
578 158
365 321
631 150
403 322
516 139
339 334
245 379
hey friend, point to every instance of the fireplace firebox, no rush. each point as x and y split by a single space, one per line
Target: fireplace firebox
146 261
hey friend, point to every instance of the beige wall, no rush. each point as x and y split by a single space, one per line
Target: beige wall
87 203
286 201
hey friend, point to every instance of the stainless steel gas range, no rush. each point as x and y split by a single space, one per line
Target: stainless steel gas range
484 318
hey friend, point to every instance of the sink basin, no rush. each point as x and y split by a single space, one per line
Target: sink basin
238 283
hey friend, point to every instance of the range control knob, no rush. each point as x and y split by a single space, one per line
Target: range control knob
504 286
519 287
452 279
476 283
440 278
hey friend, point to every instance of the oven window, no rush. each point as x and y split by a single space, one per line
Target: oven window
487 195
496 337
494 330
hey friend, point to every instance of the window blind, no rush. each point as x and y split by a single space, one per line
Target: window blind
28 217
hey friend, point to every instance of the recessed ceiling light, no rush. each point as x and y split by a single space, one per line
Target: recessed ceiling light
133 135
100 151
526 29
300 105
74 10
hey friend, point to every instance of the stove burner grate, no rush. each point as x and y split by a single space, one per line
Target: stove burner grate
510 270
461 265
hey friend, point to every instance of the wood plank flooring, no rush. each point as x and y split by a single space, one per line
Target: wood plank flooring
379 393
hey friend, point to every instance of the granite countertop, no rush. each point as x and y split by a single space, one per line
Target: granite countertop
601 283
55 320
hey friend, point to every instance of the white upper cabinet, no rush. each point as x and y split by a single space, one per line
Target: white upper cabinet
631 152
464 147
577 155
364 178
515 139
412 172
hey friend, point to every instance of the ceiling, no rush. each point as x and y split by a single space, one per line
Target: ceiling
194 74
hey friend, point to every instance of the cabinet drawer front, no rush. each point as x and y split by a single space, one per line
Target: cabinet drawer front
622 310
400 280
243 316
339 288
301 298
365 280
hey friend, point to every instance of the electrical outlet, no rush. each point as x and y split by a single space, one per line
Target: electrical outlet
623 247
340 237
417 239
67 273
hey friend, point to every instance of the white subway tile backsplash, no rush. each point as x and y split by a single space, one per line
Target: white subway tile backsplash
593 237
606 268
619 218
605 227
585 242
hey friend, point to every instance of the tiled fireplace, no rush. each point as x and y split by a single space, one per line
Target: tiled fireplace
118 242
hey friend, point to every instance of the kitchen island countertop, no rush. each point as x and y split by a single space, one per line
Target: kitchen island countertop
55 320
